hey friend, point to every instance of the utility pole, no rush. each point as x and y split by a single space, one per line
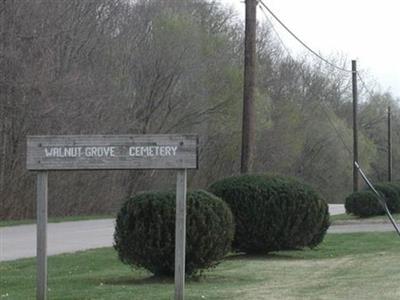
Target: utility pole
389 145
248 126
355 134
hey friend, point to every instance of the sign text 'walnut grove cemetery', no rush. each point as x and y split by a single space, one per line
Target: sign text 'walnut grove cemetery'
112 152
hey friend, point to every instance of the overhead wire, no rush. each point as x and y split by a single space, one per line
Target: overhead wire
263 5
365 85
301 41
368 92
277 33
381 198
339 135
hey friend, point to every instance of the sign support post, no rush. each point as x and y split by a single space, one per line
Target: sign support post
112 152
180 234
41 232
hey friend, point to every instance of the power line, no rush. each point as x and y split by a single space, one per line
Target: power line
365 85
300 41
277 33
381 199
306 46
318 56
339 135
368 92
336 129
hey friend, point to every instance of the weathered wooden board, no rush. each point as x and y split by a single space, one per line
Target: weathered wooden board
115 152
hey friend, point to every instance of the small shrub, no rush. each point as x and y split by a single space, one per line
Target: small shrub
273 213
363 204
391 193
348 203
145 232
396 185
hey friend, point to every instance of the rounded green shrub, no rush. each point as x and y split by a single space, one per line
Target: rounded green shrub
396 185
391 194
363 204
273 213
145 231
348 204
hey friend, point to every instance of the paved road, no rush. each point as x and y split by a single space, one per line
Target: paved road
336 209
20 241
349 228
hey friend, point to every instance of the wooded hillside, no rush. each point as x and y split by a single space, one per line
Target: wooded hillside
147 66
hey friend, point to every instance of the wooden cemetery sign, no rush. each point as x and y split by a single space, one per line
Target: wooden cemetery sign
111 152
118 152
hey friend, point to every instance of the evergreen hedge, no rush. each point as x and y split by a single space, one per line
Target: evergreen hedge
366 204
363 204
395 186
145 231
391 195
273 212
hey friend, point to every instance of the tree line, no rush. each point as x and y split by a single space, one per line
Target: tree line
147 66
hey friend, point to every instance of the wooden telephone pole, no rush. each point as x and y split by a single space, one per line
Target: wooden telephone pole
389 145
248 126
355 133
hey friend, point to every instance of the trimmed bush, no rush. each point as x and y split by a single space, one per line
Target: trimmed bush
273 213
366 204
395 185
363 204
145 232
391 195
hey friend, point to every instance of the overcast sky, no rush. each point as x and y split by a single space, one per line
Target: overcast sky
365 30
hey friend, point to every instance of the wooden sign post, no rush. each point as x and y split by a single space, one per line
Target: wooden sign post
41 234
180 234
111 152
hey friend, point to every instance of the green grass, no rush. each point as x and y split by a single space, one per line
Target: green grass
54 220
344 266
351 219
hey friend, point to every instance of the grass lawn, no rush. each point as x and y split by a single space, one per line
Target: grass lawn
344 266
54 220
351 219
